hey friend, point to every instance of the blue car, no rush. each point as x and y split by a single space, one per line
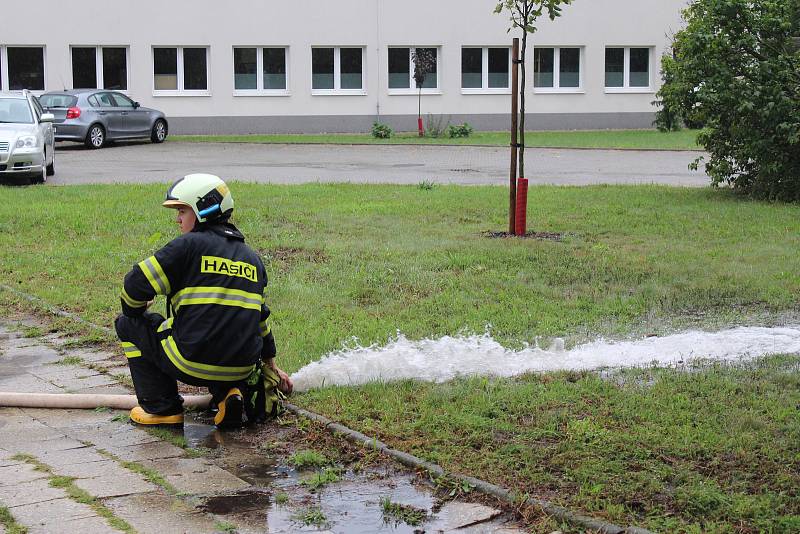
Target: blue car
95 116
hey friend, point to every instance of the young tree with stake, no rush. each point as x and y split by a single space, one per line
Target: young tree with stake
523 15
424 62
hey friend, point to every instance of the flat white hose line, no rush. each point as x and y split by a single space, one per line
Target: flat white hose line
85 401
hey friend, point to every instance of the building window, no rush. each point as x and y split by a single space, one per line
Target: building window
99 67
248 62
401 70
337 70
557 69
485 70
628 69
180 70
274 69
22 67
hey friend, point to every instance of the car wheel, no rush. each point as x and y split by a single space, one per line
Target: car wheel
96 137
42 176
51 169
159 132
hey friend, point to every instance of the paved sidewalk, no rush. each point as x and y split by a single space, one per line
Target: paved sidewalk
90 471
294 164
104 457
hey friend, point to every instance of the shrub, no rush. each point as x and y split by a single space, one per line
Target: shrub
735 70
436 125
381 131
460 130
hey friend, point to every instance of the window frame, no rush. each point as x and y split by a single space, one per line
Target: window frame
626 71
557 89
412 90
180 91
4 85
98 58
259 90
337 72
485 89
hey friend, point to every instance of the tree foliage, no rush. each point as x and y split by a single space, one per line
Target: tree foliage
523 14
735 69
424 62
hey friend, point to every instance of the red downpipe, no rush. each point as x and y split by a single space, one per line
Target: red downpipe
522 206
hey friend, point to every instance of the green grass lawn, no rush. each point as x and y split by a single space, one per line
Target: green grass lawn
716 449
627 139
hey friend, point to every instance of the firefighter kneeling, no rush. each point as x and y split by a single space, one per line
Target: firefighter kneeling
218 333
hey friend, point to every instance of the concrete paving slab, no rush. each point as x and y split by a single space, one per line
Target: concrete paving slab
54 338
157 513
8 412
98 355
119 482
118 370
71 457
60 515
89 382
68 419
41 448
29 353
12 475
31 492
5 459
27 383
457 515
88 470
16 417
90 525
196 475
112 436
61 373
155 450
12 434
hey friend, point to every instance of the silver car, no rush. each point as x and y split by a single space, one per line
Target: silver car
95 116
27 149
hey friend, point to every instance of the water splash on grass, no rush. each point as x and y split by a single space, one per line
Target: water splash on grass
437 360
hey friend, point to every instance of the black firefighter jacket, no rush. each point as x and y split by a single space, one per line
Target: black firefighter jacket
215 287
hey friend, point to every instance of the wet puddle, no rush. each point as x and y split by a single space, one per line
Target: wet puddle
278 502
241 501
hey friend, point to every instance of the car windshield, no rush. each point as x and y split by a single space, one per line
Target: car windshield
58 100
15 110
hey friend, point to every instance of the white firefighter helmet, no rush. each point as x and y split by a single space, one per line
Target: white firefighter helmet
206 194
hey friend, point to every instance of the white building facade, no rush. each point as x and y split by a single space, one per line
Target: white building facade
263 66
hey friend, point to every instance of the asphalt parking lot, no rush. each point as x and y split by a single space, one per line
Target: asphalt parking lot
143 162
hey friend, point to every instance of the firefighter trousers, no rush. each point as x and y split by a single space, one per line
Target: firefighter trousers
155 378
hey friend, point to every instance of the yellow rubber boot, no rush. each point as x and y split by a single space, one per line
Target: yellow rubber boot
230 410
141 417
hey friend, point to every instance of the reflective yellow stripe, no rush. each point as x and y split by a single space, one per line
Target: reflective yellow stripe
216 295
203 370
133 303
166 324
131 351
155 275
264 327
